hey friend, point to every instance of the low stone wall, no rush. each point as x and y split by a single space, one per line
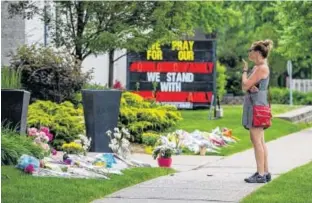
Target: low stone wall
232 100
301 115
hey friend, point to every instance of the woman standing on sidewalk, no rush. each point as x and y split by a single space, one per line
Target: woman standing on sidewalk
256 86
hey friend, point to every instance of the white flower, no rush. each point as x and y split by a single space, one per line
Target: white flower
44 138
81 136
125 131
114 141
113 147
109 133
120 143
117 136
77 141
37 140
124 140
116 130
125 145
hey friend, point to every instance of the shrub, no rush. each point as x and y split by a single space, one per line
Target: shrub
233 85
64 121
221 80
14 145
10 78
308 99
139 115
48 74
150 138
281 96
95 86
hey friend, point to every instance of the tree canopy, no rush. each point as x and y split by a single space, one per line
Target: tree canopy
94 27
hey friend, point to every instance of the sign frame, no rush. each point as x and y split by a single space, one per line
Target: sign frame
199 37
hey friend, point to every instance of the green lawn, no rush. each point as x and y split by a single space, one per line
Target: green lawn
20 187
198 119
292 187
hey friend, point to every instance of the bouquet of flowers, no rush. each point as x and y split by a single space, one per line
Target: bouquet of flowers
120 142
41 137
85 142
72 148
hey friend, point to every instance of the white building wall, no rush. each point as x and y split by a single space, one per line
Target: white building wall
12 34
120 67
100 68
34 29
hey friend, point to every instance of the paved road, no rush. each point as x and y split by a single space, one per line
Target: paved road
220 180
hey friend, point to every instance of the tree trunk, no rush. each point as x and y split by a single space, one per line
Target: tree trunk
111 68
80 28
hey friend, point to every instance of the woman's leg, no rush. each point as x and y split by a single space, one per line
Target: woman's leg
265 149
256 135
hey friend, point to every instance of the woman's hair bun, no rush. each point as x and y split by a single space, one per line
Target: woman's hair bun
268 43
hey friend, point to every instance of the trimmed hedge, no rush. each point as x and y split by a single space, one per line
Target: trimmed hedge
150 138
66 121
281 96
140 116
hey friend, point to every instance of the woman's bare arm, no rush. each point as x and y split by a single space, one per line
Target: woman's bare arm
255 77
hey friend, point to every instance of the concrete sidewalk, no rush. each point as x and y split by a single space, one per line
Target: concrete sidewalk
220 180
180 163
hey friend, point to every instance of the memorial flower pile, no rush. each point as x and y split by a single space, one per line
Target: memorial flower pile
75 163
197 141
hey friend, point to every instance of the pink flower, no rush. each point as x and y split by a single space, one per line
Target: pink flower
46 138
50 136
29 168
68 161
42 134
32 131
45 129
118 85
47 132
54 152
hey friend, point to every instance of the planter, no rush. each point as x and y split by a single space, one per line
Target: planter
14 108
164 162
101 111
202 151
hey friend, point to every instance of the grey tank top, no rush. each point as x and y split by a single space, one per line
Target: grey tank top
260 97
263 84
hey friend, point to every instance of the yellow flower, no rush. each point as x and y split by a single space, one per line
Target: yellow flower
72 145
148 149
